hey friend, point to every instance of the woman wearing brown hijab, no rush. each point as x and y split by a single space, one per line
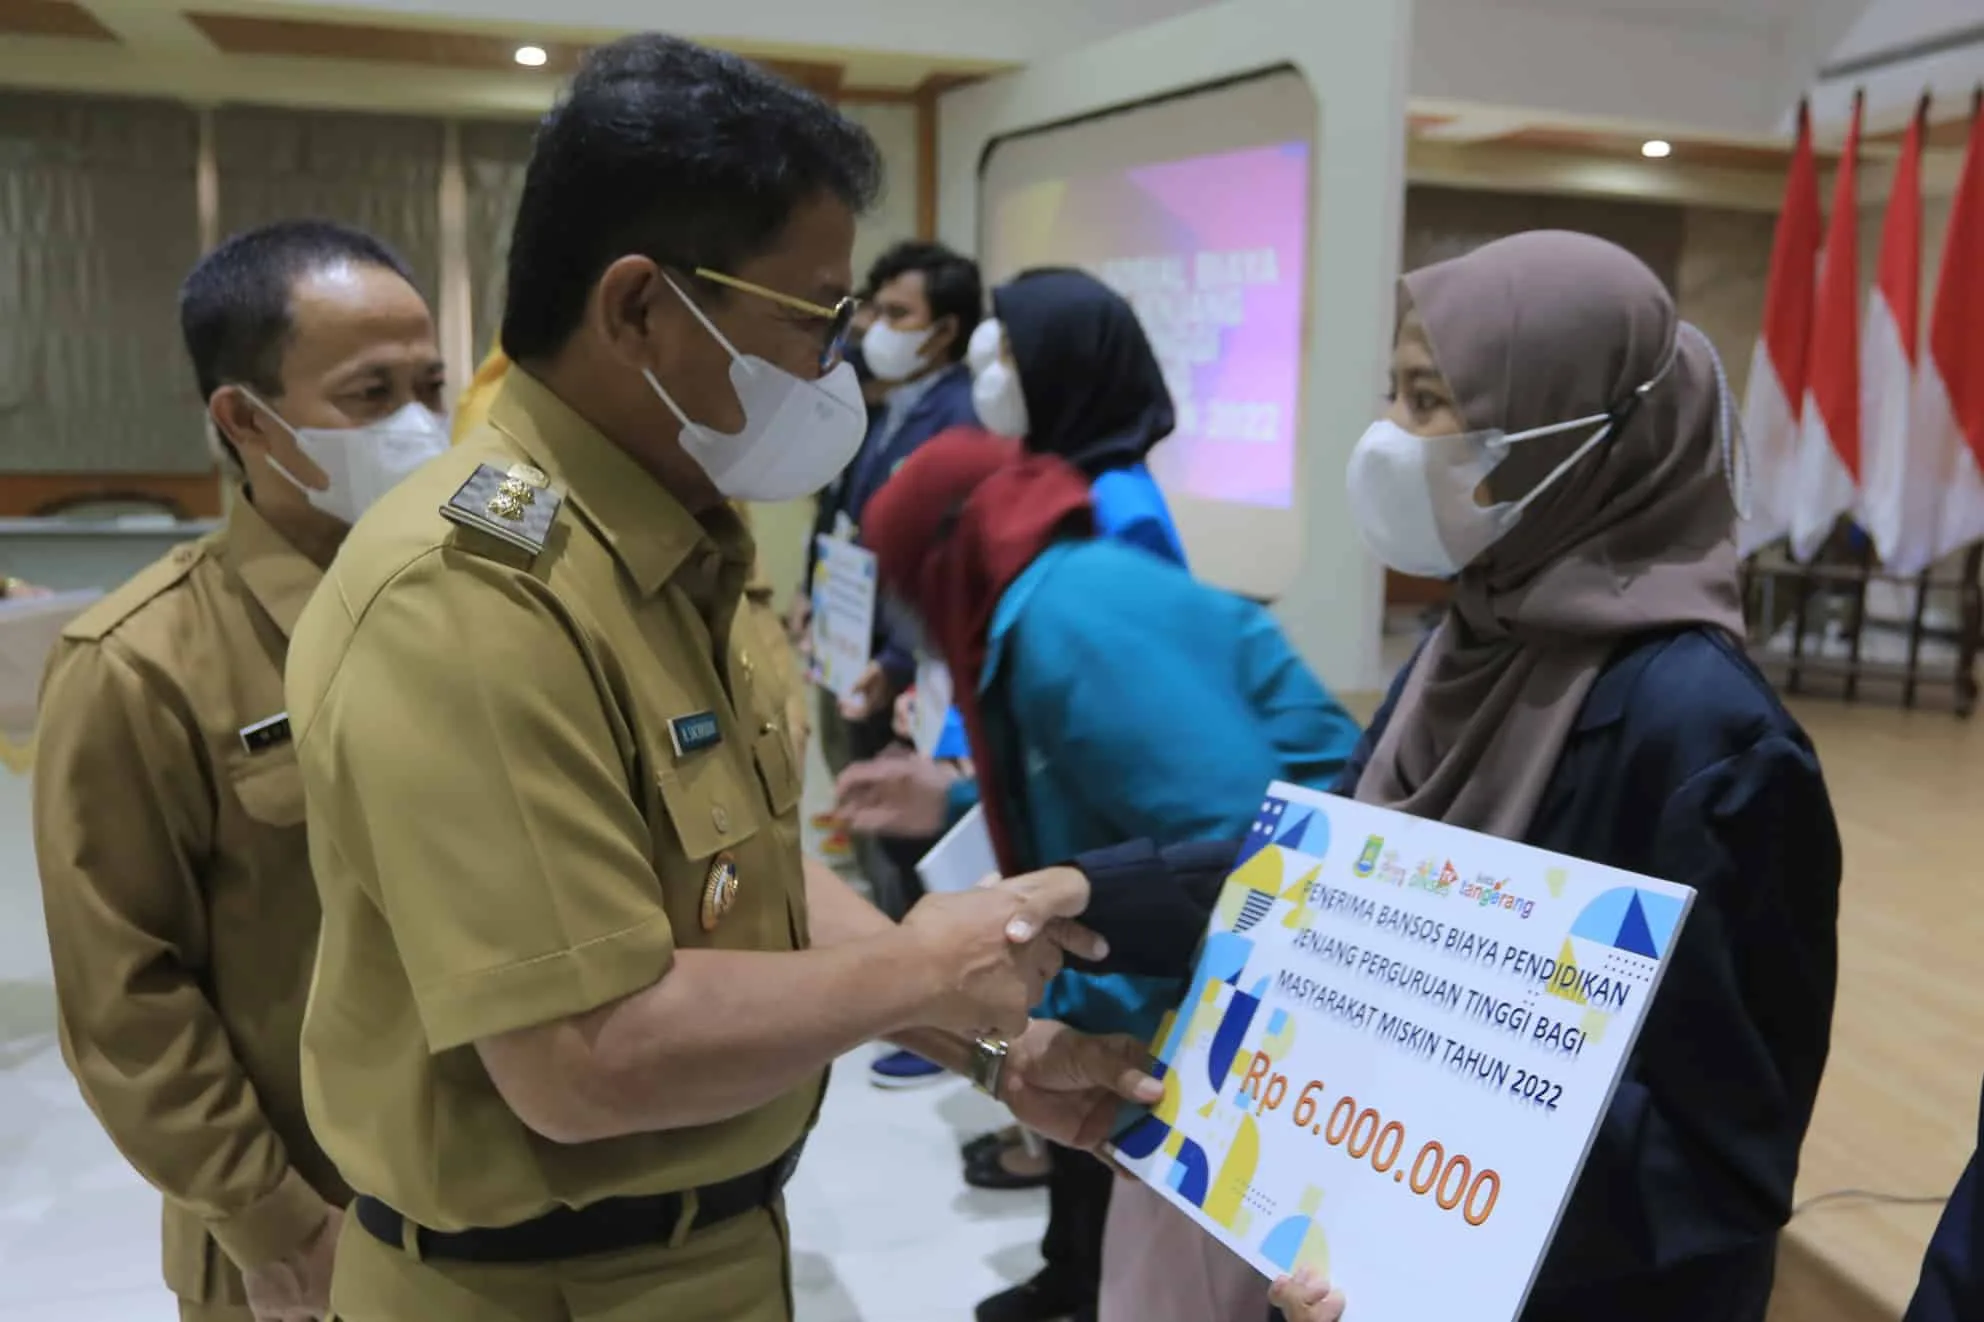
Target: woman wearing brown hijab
1558 444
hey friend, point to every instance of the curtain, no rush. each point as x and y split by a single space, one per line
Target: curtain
99 222
380 173
494 156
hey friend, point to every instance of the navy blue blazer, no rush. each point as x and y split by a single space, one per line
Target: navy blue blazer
1682 765
1952 1287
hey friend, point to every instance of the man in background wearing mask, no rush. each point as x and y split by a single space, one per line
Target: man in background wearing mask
926 300
168 812
577 991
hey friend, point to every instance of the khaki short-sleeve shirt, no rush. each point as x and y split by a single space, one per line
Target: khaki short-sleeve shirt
528 774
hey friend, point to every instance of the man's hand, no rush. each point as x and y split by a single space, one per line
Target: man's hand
297 1288
990 953
873 692
904 724
901 794
1304 1298
1068 1085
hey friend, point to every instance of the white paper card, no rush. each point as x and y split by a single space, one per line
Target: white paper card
1396 1050
932 704
843 614
962 859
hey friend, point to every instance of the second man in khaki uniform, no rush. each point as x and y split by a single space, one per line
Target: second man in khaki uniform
577 992
168 811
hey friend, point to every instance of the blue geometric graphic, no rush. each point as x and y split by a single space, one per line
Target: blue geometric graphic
1634 935
1627 918
1191 1173
1285 1241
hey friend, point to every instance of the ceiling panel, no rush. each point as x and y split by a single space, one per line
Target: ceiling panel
1727 155
251 34
51 18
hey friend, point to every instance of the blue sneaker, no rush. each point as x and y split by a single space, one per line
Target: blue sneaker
903 1069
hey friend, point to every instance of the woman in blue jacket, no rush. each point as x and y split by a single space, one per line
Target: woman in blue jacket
1106 694
1064 366
1559 445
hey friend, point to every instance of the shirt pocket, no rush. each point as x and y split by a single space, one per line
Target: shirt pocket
269 787
778 768
715 816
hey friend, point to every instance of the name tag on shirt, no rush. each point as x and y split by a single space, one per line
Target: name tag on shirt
264 735
694 732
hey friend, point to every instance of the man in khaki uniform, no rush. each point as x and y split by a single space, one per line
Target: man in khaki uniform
168 811
765 628
576 992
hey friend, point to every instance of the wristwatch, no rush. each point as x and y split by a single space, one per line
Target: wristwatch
988 1065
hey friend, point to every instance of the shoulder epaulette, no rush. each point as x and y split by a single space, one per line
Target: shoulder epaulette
517 507
142 587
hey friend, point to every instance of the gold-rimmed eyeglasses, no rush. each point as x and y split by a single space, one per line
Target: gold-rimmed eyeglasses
839 317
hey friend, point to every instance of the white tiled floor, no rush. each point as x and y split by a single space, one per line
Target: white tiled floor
884 1229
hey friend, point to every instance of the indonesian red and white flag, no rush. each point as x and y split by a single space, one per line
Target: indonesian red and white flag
1951 410
1826 482
1901 482
1777 365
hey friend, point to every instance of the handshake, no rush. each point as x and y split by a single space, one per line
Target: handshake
989 952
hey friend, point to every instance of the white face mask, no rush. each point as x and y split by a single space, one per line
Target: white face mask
797 434
1413 496
998 400
982 350
363 463
895 355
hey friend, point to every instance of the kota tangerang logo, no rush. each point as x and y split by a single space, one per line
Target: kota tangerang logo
1441 879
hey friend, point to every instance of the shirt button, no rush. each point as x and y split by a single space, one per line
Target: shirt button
719 818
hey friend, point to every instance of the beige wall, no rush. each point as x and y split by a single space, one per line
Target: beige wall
1716 260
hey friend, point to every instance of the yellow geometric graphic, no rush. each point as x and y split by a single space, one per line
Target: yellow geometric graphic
1205 1112
1593 1025
1261 874
1206 1014
1236 1173
1174 1143
1277 1045
1568 959
1298 895
1556 879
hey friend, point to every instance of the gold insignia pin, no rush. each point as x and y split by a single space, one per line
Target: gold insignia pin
719 891
512 498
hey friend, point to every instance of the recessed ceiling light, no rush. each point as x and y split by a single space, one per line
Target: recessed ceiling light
531 57
1656 148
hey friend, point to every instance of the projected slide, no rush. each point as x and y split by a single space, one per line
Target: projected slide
1210 249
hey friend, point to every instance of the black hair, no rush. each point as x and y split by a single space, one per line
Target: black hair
234 308
950 282
661 147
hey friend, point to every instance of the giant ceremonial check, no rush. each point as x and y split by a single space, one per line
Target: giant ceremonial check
1396 1050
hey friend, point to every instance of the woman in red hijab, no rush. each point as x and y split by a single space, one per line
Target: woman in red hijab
1107 695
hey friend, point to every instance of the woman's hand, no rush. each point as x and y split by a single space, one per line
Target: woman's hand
905 721
899 794
1304 1297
